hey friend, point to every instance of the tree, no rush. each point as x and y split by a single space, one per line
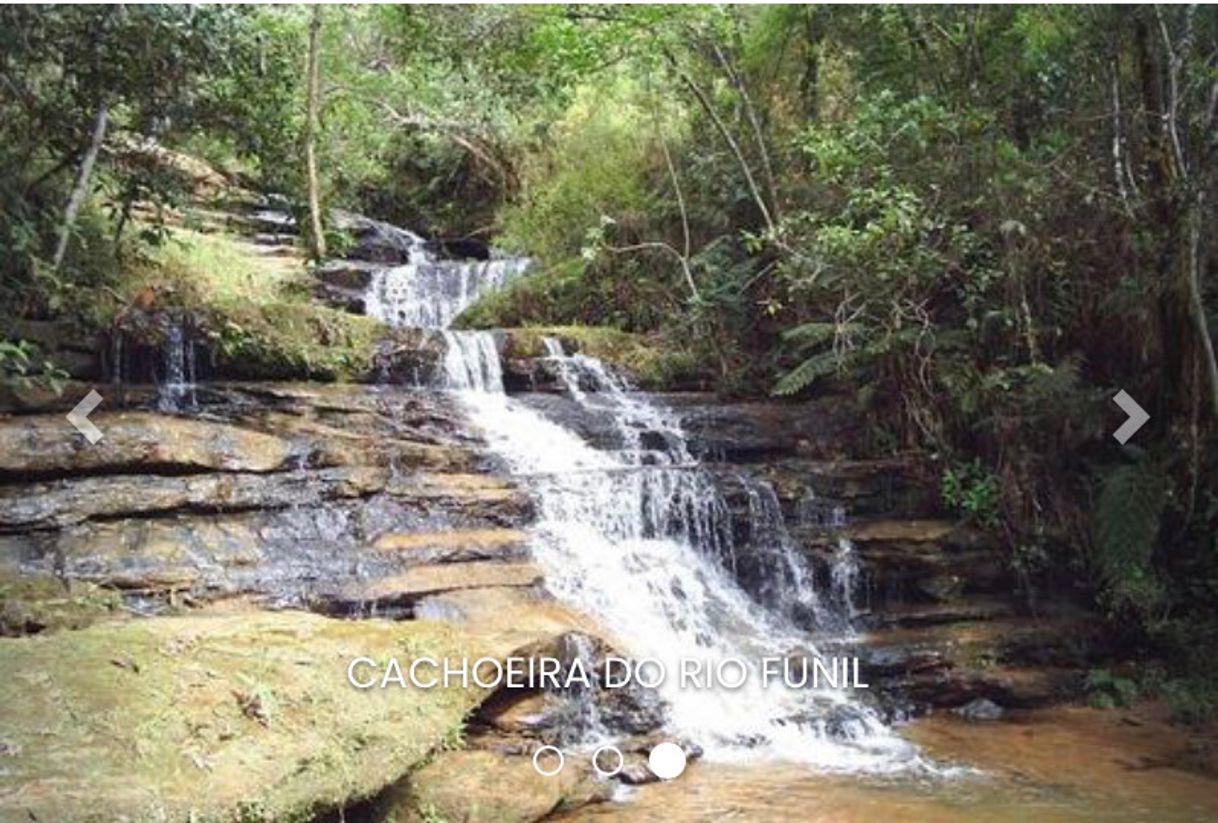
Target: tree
316 235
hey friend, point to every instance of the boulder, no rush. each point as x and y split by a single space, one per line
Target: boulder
376 241
490 787
980 709
218 717
353 275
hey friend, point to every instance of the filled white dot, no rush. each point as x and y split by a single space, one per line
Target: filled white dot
666 761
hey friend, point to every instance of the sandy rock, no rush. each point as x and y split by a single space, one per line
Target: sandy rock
136 441
224 717
488 786
461 545
416 583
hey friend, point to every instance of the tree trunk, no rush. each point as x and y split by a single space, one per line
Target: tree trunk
1192 276
709 108
750 113
81 188
317 236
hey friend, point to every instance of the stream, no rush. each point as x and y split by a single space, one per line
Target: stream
636 533
199 581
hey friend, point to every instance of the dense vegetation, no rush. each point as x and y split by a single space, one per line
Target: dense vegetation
974 223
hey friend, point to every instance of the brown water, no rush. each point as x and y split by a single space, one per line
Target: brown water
1066 764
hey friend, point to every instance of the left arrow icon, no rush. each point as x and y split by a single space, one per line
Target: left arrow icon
79 416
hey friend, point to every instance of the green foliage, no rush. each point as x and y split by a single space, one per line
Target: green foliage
1126 521
292 340
158 71
593 166
1193 700
972 490
1108 690
21 367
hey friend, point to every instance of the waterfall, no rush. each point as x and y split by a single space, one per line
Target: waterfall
639 537
429 293
176 389
783 578
471 362
635 537
843 576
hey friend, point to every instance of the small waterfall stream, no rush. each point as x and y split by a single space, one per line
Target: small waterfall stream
639 536
176 389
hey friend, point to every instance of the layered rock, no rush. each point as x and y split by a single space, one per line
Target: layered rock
298 495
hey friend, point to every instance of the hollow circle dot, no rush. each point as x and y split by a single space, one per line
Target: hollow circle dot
537 761
612 751
666 761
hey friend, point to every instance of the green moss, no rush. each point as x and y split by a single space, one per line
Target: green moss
255 307
551 295
652 361
36 603
224 268
186 718
292 340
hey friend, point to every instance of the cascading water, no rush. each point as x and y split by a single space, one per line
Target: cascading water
784 579
844 575
639 537
428 293
177 387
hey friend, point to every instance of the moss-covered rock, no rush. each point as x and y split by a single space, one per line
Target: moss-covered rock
649 361
32 603
239 716
488 787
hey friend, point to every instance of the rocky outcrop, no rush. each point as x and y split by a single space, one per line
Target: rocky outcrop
343 283
341 499
375 241
135 442
220 717
229 715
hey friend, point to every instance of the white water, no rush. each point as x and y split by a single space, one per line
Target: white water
429 293
639 537
787 583
843 576
177 387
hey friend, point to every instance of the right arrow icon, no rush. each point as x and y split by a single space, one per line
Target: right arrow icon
1137 417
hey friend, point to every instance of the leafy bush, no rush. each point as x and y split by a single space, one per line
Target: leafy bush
21 367
1126 521
971 489
1108 690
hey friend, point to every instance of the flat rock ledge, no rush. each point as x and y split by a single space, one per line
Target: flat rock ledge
223 715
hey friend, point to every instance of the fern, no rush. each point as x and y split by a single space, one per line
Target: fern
807 372
1126 521
810 334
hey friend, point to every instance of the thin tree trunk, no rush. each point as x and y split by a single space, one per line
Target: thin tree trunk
721 127
1196 302
318 237
81 188
676 186
750 113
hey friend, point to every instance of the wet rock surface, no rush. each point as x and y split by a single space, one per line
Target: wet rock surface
381 502
299 495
